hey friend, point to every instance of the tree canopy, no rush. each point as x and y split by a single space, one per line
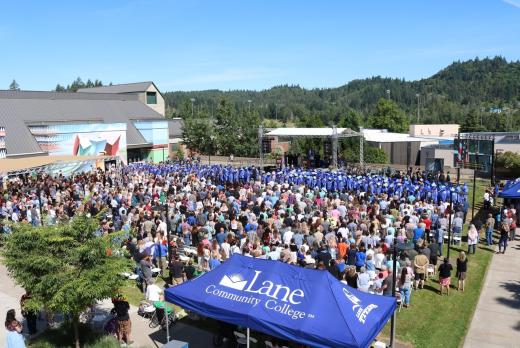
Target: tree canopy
65 267
14 86
388 115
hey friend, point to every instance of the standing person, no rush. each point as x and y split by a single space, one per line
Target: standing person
490 225
420 263
462 265
146 269
160 254
177 273
504 237
405 284
445 276
14 337
472 239
29 315
124 325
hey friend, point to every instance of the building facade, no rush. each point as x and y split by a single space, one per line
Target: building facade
126 121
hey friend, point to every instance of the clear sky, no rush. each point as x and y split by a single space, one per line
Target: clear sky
247 44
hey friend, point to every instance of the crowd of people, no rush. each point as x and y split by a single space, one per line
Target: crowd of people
344 222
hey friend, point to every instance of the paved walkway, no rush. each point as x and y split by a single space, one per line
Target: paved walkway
496 322
10 295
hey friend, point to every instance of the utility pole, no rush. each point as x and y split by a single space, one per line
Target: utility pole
260 144
388 94
418 105
361 149
449 223
334 147
249 102
192 101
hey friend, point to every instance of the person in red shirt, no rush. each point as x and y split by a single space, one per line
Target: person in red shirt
342 248
428 223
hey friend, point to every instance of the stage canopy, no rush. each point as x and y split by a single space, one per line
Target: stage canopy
301 305
512 190
311 132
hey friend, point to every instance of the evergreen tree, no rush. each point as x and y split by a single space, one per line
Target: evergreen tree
14 86
59 88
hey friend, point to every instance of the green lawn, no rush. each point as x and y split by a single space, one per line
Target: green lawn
435 321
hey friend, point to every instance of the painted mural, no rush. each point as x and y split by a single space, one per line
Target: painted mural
82 139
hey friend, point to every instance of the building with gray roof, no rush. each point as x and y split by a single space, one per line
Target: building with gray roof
125 119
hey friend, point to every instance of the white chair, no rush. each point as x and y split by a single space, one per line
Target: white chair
379 344
457 239
430 270
268 344
399 300
242 339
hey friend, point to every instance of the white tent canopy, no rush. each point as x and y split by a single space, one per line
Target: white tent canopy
311 132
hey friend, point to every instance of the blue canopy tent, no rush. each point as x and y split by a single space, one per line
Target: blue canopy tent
511 190
289 302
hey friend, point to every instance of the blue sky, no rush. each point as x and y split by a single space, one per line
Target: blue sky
247 44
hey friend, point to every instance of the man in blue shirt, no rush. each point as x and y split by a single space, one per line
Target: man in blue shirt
418 232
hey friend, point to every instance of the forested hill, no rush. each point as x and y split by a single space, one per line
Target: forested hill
464 92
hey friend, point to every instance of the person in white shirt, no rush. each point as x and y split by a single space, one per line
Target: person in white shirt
153 292
287 236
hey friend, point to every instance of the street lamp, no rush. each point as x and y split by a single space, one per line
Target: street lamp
388 94
249 102
449 221
192 101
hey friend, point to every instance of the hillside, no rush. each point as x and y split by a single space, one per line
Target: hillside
464 92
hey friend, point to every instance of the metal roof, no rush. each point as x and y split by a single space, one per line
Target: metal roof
19 109
383 136
122 88
311 132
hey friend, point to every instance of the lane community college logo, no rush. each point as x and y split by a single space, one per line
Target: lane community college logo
234 281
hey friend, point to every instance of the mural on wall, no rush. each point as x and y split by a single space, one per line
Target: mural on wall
82 139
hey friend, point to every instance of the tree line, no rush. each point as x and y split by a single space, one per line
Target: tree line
478 94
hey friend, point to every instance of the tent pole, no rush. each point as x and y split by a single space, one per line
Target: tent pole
247 338
394 281
167 323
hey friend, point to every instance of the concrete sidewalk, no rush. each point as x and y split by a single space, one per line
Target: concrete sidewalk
496 322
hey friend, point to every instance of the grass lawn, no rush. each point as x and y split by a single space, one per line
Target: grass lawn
435 321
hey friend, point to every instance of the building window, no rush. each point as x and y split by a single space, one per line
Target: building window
151 98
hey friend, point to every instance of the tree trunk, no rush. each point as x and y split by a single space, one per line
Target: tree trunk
75 322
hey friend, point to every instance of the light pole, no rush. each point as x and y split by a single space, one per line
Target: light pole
388 94
449 222
249 102
418 103
192 101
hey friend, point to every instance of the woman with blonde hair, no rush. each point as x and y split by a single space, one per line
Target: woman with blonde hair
472 239
462 266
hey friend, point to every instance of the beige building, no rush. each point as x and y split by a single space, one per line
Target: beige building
146 92
434 130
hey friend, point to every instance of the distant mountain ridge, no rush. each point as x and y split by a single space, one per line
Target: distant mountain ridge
462 92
